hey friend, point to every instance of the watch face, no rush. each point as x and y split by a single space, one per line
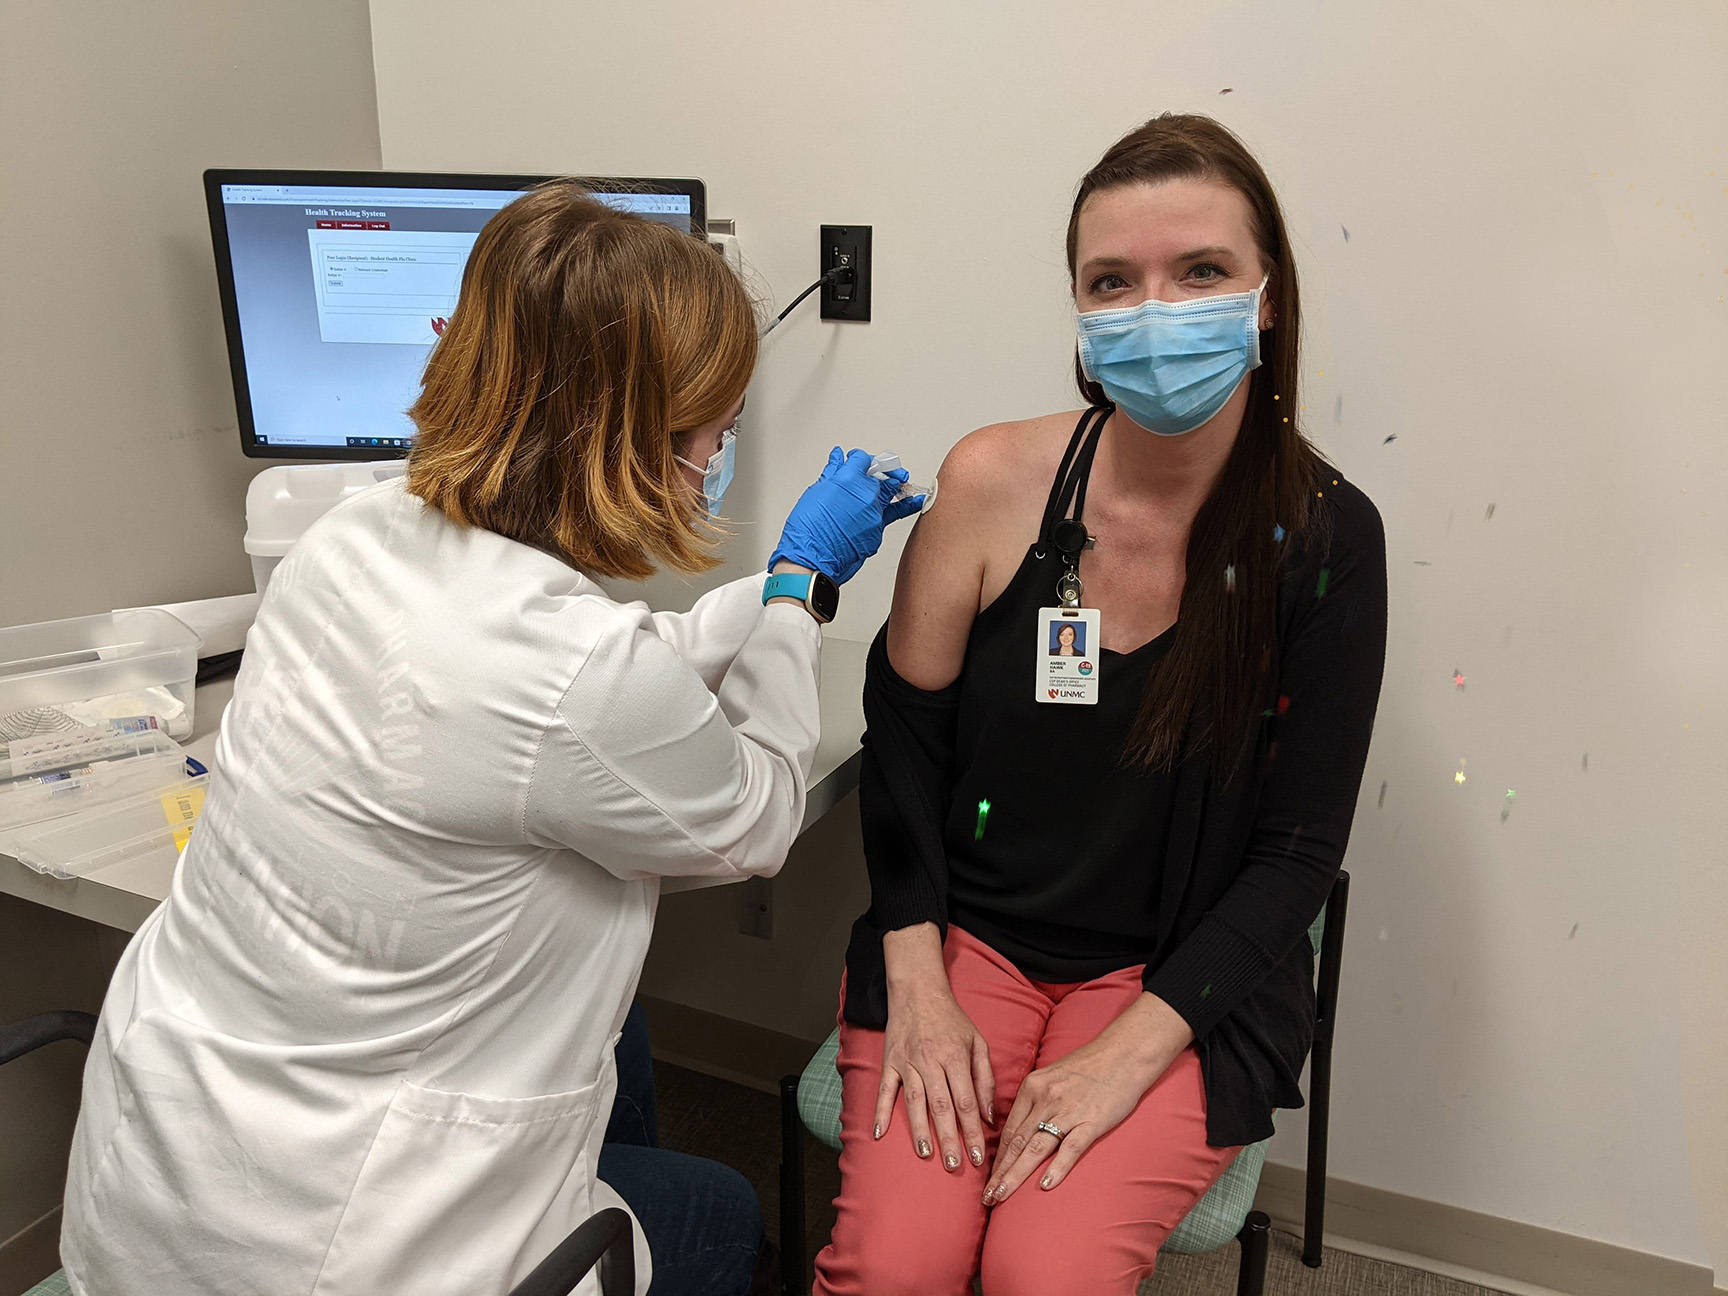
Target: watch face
824 597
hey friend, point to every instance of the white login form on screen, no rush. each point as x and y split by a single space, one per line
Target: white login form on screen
386 285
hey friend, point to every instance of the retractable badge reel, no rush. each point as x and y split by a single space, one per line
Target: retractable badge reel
1068 646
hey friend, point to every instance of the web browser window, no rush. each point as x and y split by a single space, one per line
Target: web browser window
341 293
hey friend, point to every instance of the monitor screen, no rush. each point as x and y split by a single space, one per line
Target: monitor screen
335 285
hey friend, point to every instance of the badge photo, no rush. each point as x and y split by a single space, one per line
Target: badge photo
1067 671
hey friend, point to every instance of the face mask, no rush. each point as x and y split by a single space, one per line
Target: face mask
1170 366
717 476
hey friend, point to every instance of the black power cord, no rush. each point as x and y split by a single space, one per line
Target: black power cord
838 275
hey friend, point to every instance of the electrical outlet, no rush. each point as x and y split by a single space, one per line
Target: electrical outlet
756 907
847 245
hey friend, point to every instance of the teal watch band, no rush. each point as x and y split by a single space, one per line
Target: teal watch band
819 595
788 585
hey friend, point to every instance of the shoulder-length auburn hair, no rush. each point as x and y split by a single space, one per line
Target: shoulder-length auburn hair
585 343
1204 694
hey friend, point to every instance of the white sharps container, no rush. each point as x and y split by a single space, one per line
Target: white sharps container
283 501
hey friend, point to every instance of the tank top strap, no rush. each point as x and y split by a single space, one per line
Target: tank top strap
1069 488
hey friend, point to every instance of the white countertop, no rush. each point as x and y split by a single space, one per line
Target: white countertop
124 895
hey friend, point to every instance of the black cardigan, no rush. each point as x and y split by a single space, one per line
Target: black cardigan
1250 863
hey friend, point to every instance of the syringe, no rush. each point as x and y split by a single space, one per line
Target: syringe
883 464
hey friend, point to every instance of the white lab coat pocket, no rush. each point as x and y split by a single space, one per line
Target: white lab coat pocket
465 1194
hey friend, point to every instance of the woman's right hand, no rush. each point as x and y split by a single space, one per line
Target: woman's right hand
933 1054
838 522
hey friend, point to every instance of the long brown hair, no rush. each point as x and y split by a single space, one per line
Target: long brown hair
1203 695
585 343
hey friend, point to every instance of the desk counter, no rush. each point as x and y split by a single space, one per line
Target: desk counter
124 895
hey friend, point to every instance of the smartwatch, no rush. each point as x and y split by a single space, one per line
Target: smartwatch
819 594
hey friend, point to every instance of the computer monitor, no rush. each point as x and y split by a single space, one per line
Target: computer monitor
335 285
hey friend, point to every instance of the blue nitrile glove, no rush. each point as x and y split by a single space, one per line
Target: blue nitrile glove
837 523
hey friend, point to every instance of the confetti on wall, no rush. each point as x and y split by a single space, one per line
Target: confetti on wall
1382 804
1458 777
1346 234
1458 680
1489 514
1506 805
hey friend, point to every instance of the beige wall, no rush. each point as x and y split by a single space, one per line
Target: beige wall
121 477
1530 299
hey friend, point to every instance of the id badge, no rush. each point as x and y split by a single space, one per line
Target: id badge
1068 656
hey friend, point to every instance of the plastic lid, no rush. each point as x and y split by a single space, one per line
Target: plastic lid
283 501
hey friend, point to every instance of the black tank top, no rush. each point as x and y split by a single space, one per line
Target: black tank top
1055 847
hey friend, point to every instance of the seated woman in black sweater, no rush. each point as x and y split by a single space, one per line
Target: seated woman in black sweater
1082 983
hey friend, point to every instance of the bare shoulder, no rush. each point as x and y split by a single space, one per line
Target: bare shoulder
993 486
1001 459
961 553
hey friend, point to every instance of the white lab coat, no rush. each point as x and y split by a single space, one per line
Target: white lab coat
366 1044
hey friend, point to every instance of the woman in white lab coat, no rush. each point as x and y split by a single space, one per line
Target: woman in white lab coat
366 1045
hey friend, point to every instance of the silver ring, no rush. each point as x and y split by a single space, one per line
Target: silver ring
1051 1130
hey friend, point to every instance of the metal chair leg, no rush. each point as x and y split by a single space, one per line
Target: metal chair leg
792 1258
1256 1238
1319 1116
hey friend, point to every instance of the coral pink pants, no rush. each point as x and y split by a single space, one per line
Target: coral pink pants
907 1225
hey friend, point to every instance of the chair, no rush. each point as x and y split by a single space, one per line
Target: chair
604 1239
812 1102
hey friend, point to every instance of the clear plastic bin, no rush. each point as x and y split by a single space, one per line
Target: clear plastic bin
151 825
57 675
64 774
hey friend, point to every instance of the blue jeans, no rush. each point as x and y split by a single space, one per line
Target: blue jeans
701 1219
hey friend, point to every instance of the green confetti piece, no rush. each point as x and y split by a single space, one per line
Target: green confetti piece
983 816
1207 991
1320 585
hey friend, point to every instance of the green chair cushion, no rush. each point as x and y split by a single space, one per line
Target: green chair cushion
54 1284
819 1093
1216 1218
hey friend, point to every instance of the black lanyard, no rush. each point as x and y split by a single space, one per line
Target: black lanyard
1067 535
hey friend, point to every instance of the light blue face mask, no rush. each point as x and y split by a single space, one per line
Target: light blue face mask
1170 366
717 476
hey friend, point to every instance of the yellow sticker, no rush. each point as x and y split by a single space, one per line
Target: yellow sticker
181 809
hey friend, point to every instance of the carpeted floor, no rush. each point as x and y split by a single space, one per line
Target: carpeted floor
741 1127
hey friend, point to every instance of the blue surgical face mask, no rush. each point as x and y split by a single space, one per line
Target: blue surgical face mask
717 476
1170 366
